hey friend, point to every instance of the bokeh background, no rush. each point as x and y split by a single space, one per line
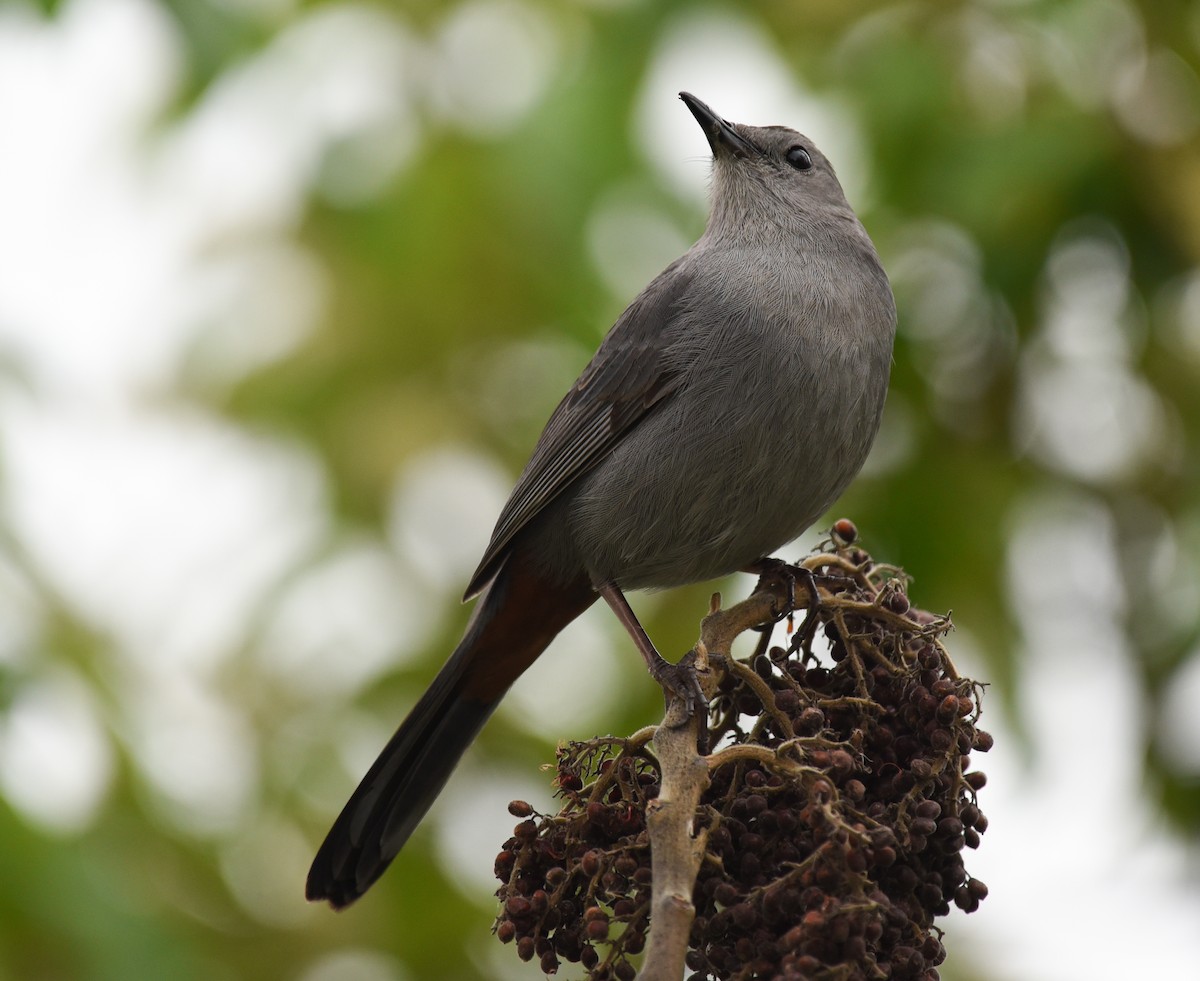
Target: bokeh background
287 290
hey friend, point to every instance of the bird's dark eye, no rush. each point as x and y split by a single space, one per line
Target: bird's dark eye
798 157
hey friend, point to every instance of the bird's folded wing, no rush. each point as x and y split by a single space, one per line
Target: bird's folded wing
628 376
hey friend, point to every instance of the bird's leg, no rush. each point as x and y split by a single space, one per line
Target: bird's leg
678 679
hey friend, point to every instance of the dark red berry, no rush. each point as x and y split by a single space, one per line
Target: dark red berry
976 781
845 532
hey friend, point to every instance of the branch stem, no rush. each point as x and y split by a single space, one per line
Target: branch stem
676 849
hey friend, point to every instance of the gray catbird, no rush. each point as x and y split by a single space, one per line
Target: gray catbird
727 408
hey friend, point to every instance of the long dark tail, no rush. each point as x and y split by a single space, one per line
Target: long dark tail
515 620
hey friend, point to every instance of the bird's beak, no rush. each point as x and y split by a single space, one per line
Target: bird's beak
722 137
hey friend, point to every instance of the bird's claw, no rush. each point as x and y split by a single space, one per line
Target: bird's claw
774 570
681 683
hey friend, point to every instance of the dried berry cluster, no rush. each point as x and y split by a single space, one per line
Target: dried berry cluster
580 880
840 804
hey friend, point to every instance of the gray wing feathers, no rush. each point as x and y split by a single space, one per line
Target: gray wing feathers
627 377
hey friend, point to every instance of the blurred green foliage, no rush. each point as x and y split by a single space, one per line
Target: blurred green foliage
481 240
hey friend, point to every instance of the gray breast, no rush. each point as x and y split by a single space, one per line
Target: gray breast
774 420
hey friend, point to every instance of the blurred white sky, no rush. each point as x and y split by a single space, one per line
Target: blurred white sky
164 525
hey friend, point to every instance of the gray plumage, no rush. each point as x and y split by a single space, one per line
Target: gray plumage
734 399
729 406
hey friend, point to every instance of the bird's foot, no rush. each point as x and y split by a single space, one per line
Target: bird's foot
682 681
684 695
679 680
773 571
